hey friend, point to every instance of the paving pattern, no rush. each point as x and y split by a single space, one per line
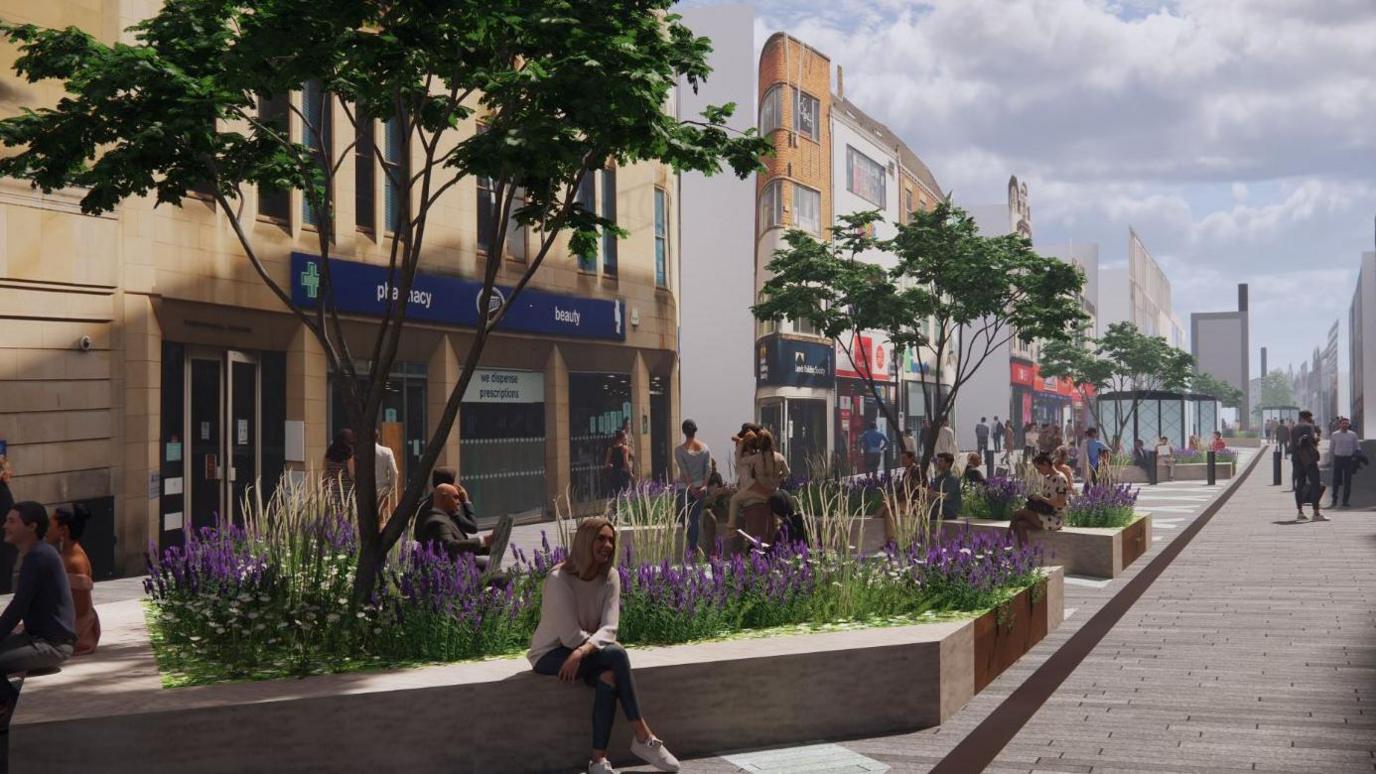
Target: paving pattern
1255 651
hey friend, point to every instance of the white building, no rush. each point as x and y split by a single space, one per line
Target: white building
1220 343
1139 293
717 218
1362 331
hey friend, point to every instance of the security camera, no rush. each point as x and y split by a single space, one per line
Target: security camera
84 343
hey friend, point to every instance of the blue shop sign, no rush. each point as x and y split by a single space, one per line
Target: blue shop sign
792 363
362 288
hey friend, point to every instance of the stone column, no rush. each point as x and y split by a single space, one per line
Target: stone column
558 476
441 374
640 413
138 515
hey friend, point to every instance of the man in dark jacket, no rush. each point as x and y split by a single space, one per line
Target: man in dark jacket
42 601
441 525
1283 438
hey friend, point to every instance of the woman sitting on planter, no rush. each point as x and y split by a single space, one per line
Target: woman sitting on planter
64 534
1045 508
1061 461
580 609
746 442
1218 444
768 469
1165 457
971 474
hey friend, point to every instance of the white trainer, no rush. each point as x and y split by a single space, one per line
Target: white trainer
600 767
1321 517
652 752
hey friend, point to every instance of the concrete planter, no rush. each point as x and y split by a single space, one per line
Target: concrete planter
1090 551
702 698
1195 471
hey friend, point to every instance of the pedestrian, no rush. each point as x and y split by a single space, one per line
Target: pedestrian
1218 444
1095 453
385 469
694 462
42 601
1029 440
1344 446
1141 457
1045 507
618 464
576 639
981 436
339 471
6 497
1304 459
971 474
1282 436
945 489
872 446
64 534
1061 460
909 443
946 440
1046 440
998 434
1165 456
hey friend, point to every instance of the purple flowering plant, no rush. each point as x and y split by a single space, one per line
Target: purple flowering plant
997 498
1102 506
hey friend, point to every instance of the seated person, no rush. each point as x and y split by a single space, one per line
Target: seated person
64 534
1218 444
1141 457
792 526
945 488
42 601
1045 507
972 474
441 525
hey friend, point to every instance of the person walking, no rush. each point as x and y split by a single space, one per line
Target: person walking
1304 459
339 471
998 434
694 462
1344 446
872 446
1282 436
1095 454
387 474
981 436
619 463
946 440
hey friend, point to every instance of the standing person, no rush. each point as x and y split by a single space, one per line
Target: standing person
1344 446
981 436
42 601
1045 508
998 434
580 612
1282 435
694 462
339 470
872 446
946 440
909 443
945 488
1305 426
1057 440
619 463
64 534
387 475
1165 455
1029 440
1094 453
1304 460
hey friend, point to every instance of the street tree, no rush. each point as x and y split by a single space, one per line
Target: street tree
1124 362
556 88
950 296
1205 383
1276 390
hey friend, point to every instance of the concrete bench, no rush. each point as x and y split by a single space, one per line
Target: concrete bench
109 710
1090 551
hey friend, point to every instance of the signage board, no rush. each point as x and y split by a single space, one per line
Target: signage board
872 354
364 289
496 386
792 363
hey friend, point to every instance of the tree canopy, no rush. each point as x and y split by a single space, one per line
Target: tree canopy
1207 384
951 296
557 88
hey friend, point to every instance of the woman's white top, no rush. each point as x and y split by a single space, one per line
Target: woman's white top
574 611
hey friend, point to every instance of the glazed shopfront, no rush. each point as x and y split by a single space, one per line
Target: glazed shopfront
857 406
794 379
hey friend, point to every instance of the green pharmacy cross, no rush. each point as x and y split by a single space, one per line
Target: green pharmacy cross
310 280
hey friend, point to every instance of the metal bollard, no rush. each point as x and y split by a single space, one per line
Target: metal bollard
1212 462
988 462
1275 468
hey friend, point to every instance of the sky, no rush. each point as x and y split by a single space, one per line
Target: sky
1238 137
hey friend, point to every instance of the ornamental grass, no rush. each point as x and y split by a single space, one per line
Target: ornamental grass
271 598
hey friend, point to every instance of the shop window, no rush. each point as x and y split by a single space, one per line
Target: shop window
865 177
501 431
807 209
808 111
402 414
365 174
599 405
661 238
317 134
772 110
274 204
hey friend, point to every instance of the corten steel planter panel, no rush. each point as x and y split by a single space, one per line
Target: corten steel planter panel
1005 634
1136 538
702 698
1089 551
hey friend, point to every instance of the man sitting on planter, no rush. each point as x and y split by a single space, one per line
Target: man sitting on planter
1045 508
945 488
441 525
42 601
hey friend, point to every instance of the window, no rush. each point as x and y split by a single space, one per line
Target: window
808 110
274 204
661 238
586 199
609 243
398 169
771 205
487 211
772 110
365 216
865 177
908 208
317 133
515 230
807 209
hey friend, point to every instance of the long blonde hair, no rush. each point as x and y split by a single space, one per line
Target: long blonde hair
765 446
580 560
